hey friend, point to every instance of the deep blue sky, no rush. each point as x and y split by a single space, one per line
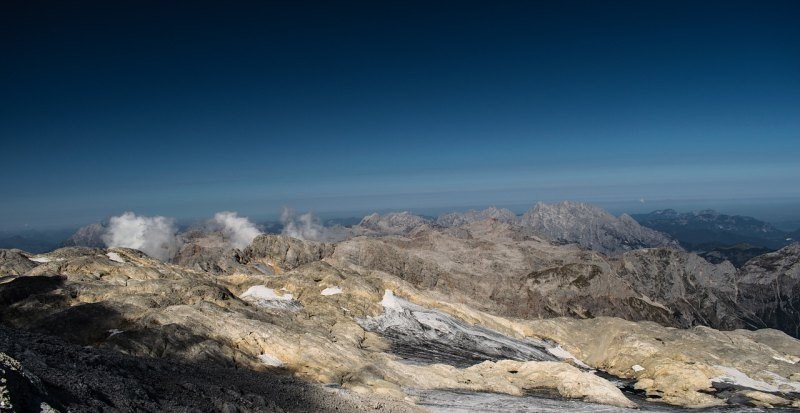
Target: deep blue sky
184 109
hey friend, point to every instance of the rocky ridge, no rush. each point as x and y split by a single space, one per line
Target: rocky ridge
592 228
464 312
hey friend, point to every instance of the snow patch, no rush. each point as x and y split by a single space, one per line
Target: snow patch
270 360
389 301
734 376
267 297
637 368
787 359
332 291
43 260
261 292
559 352
113 332
113 256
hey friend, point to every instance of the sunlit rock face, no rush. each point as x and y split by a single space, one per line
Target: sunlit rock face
209 252
495 267
284 252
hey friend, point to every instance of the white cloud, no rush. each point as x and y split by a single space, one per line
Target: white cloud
239 230
305 226
155 236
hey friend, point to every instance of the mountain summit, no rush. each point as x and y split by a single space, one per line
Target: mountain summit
592 227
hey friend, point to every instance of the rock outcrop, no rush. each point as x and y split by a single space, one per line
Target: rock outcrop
497 269
769 287
209 252
123 300
698 367
88 236
80 378
456 219
465 314
15 262
20 390
283 252
592 228
393 223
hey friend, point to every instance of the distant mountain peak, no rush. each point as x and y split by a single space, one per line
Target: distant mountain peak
454 219
592 227
711 232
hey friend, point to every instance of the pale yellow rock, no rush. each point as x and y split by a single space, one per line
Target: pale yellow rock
766 400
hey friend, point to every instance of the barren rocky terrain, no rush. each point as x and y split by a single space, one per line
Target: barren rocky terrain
403 307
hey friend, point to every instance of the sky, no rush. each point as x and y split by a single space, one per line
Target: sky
183 109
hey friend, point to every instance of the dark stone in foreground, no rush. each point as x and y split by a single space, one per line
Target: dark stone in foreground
86 379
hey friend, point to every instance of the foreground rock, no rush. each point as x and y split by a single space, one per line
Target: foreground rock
700 367
322 314
20 390
89 379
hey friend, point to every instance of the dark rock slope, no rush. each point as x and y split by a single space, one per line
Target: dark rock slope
769 287
45 369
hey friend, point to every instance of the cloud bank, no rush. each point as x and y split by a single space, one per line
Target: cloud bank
238 230
155 236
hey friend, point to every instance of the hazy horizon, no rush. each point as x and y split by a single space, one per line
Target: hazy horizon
781 213
185 110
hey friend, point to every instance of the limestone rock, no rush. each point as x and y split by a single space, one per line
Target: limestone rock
456 219
592 228
769 287
283 252
393 223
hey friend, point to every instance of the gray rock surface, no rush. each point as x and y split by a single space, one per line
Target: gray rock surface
20 390
427 336
88 236
769 287
15 262
592 228
209 252
284 252
455 219
497 269
393 223
475 294
696 291
90 379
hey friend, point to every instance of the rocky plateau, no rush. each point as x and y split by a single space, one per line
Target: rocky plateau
595 310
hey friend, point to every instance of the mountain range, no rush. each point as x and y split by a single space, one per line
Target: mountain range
567 300
718 237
